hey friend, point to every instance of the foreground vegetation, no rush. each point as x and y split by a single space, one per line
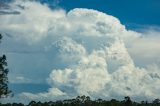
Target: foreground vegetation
86 101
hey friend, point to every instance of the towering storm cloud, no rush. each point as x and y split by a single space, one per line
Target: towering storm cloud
95 53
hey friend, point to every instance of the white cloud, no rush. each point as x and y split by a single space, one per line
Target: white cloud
145 50
93 52
20 79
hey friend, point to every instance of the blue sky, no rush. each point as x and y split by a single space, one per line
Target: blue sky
141 12
57 48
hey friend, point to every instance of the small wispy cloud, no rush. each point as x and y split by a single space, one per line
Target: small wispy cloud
7 9
20 80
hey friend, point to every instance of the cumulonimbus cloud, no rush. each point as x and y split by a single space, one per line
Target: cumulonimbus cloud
94 48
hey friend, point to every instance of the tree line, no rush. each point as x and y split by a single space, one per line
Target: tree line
86 101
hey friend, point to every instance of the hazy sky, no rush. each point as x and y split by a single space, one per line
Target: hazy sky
61 49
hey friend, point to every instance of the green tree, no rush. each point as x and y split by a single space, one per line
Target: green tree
156 102
32 103
4 91
128 101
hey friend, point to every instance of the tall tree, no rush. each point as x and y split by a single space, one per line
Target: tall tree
4 91
128 101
